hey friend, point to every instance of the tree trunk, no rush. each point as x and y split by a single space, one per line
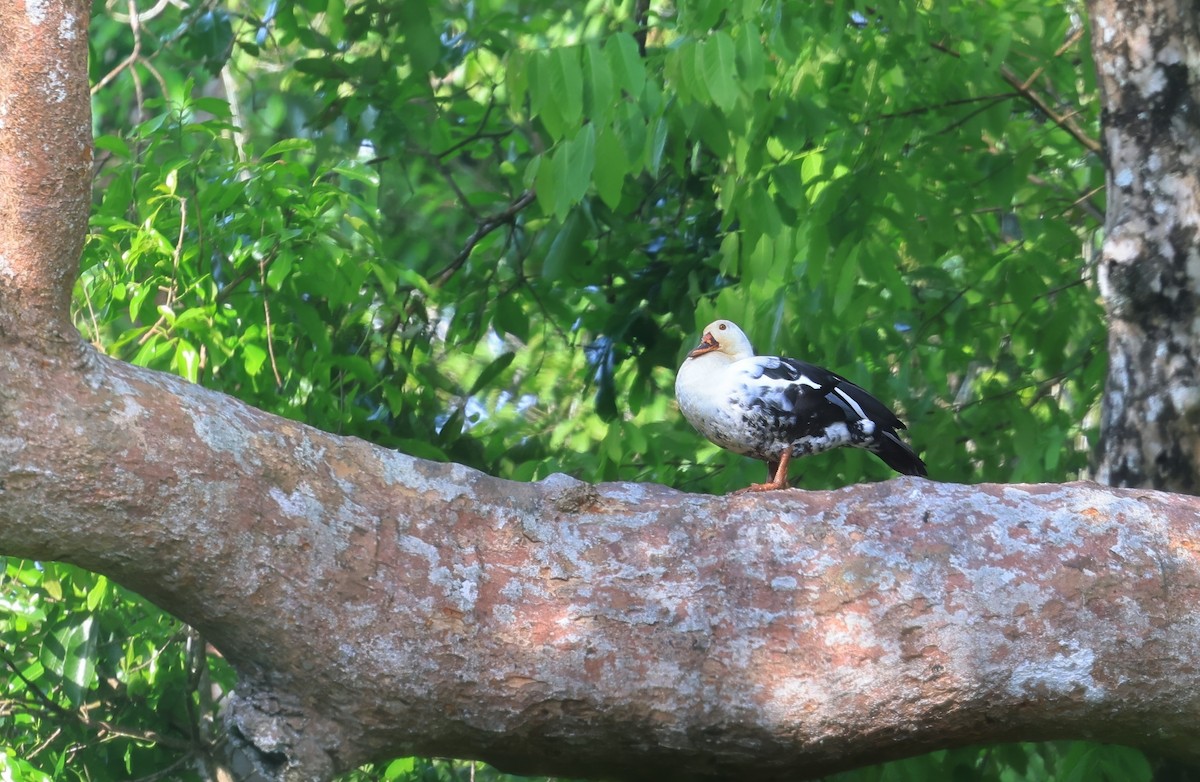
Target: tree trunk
1146 57
375 604
45 166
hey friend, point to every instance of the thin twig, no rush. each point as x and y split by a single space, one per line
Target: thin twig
40 748
87 299
970 115
1042 386
262 278
947 104
97 725
504 217
479 132
448 175
1064 122
175 258
230 287
1071 40
135 26
162 82
136 16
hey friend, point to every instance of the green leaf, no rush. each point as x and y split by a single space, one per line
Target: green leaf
399 769
567 245
218 107
701 15
335 15
751 59
253 357
421 449
208 39
187 360
288 145
549 183
138 300
848 275
610 169
516 79
613 445
657 146
627 66
684 71
113 144
69 652
194 318
563 85
53 588
580 161
544 97
630 129
511 318
717 63
422 43
151 351
280 269
413 280
97 594
324 67
599 83
491 372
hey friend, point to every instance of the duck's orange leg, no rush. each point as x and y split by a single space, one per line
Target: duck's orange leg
778 480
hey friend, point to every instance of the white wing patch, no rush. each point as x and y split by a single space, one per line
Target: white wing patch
850 401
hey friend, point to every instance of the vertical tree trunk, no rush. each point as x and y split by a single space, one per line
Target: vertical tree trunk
45 167
1147 57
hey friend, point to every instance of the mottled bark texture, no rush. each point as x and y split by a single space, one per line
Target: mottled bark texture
375 604
1148 61
45 165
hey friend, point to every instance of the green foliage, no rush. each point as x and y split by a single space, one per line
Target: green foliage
486 232
96 680
1061 761
426 770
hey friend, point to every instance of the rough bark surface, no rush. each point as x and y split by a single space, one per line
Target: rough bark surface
45 165
1148 61
376 604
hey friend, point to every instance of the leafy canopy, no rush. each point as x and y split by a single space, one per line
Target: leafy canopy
486 232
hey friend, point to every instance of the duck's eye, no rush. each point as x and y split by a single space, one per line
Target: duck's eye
721 327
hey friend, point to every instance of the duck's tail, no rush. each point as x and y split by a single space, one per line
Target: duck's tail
897 454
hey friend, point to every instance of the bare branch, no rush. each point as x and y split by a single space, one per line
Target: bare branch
504 217
1066 122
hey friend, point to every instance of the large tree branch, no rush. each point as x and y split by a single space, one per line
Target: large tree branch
376 604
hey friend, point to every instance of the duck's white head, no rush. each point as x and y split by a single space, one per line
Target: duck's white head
725 338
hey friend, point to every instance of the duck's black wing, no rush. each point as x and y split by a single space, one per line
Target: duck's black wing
794 403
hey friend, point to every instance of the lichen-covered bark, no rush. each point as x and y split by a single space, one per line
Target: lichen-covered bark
1148 61
377 604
